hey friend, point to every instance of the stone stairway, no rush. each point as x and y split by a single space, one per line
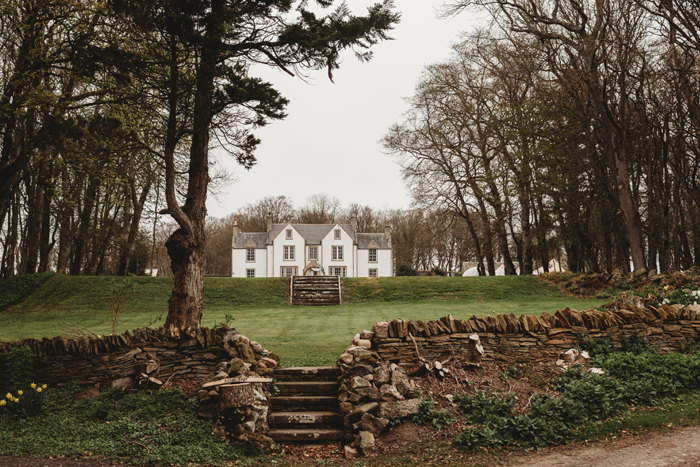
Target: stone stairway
315 290
306 409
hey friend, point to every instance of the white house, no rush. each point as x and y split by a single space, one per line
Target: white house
311 249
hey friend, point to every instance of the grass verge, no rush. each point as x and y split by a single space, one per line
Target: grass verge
139 428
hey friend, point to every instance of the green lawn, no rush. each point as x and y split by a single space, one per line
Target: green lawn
258 307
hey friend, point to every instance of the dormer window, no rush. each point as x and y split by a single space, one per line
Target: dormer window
337 234
289 234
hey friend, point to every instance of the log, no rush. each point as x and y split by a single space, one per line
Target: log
236 395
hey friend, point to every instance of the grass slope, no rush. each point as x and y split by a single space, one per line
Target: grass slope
259 308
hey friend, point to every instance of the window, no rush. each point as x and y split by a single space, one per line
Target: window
338 271
372 255
250 272
313 253
289 253
289 234
337 253
337 234
288 271
372 273
250 255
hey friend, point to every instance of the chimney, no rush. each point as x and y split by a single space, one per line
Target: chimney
236 231
269 221
387 233
353 223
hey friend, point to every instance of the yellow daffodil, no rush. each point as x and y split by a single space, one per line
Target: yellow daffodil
33 385
43 386
3 402
9 396
15 400
665 287
38 389
20 392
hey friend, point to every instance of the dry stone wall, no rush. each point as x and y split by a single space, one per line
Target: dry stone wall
535 337
113 360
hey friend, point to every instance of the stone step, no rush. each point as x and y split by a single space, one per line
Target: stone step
315 289
307 373
325 283
289 403
307 388
306 435
315 281
326 417
314 297
327 303
315 294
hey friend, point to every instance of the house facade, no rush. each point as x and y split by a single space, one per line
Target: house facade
311 249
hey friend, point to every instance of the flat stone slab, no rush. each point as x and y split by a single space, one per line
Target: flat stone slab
306 435
308 388
279 419
307 373
304 402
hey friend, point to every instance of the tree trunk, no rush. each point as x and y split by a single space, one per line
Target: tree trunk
83 227
186 245
630 215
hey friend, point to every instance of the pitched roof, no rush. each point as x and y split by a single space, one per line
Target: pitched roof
259 238
364 239
312 234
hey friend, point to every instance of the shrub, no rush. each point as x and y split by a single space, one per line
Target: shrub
632 342
406 270
473 438
482 407
631 379
428 414
18 368
648 377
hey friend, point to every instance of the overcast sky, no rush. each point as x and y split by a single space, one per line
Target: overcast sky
329 141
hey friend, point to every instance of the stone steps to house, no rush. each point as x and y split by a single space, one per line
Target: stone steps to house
306 409
315 290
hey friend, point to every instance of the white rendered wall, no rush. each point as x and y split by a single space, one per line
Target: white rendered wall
347 243
383 264
279 243
240 264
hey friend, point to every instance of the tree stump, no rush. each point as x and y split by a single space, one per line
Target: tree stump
236 395
474 350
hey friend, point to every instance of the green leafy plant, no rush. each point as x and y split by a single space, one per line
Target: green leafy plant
427 414
631 379
23 403
481 406
18 368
